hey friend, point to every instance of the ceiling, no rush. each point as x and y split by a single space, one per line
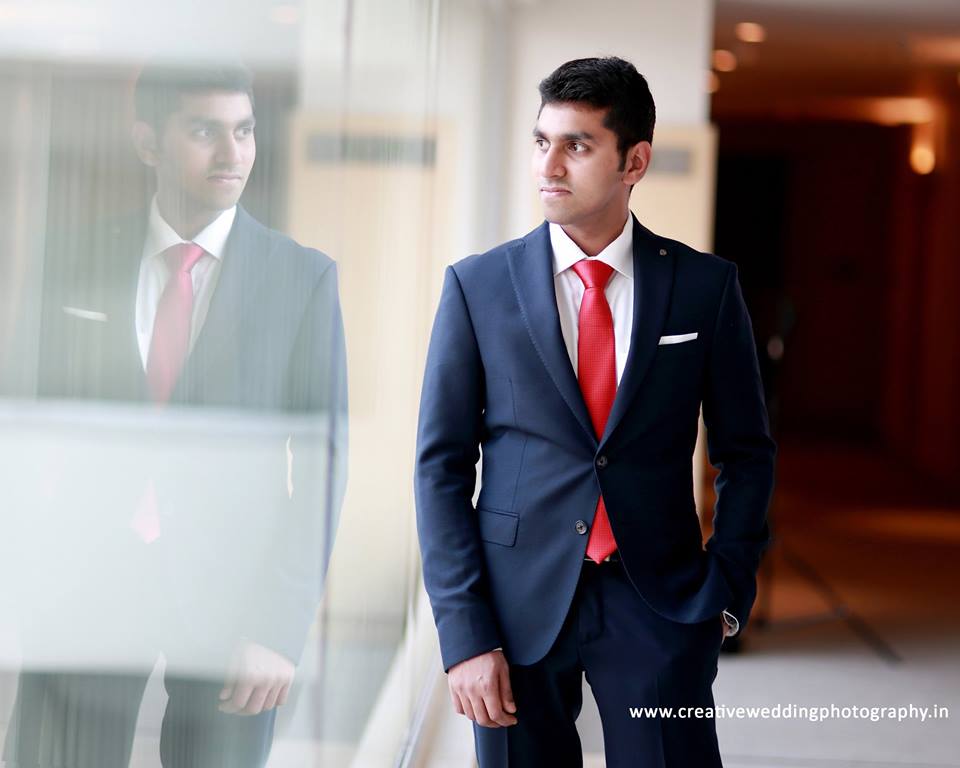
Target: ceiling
822 51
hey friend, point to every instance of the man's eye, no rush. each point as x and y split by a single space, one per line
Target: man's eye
203 133
542 143
244 132
576 146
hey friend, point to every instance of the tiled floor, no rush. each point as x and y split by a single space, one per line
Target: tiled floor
862 600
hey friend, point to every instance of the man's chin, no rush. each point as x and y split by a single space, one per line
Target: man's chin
221 202
556 214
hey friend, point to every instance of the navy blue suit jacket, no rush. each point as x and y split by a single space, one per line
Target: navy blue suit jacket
499 383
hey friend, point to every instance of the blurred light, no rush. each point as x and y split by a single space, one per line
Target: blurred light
750 32
923 156
923 160
285 14
900 111
934 525
724 61
935 49
891 111
713 82
775 347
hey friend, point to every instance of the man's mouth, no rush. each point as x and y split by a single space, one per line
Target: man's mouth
554 191
225 178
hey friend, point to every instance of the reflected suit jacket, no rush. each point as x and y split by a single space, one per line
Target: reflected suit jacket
499 382
272 342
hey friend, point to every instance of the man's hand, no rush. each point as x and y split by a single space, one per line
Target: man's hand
480 689
259 680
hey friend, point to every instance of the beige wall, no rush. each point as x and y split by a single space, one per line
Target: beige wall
392 225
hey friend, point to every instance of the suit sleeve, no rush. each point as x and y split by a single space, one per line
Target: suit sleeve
317 454
740 447
448 439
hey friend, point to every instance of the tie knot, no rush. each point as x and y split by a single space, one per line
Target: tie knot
182 257
593 272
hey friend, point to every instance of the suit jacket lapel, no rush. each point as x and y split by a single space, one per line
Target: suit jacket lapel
652 285
531 270
243 272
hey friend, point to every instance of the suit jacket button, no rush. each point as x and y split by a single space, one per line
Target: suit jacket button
602 461
581 527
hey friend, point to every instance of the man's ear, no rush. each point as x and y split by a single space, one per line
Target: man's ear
638 160
145 143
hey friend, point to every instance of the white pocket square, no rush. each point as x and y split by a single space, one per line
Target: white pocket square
678 338
86 314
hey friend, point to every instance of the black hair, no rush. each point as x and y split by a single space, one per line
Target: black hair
608 83
160 86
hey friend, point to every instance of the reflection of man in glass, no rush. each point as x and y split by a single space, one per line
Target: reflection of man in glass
197 304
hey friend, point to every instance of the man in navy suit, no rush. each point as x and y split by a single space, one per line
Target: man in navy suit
576 360
196 310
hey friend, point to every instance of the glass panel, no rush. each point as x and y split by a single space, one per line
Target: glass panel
177 537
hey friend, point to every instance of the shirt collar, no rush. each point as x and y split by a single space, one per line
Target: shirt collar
212 238
619 254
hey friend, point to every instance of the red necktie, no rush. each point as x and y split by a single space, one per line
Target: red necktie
170 342
597 372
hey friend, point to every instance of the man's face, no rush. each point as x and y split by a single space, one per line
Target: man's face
577 166
206 151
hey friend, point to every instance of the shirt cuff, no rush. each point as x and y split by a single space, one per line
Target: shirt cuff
731 622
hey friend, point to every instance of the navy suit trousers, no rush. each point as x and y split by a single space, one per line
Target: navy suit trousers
632 658
87 720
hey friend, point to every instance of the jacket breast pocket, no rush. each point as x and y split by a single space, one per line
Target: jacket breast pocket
685 357
498 527
679 350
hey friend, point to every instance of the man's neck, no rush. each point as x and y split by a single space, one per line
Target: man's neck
187 224
594 237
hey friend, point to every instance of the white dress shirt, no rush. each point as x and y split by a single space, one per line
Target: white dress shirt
619 290
154 273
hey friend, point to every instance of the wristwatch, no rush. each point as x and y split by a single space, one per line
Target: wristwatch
732 624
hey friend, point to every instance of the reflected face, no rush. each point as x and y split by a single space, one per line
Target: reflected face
206 152
576 165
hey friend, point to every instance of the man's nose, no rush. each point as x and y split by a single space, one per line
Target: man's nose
551 166
229 151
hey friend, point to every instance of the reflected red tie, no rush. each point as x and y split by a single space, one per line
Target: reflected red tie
170 342
597 372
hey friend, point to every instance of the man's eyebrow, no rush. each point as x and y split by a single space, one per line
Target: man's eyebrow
576 136
197 120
